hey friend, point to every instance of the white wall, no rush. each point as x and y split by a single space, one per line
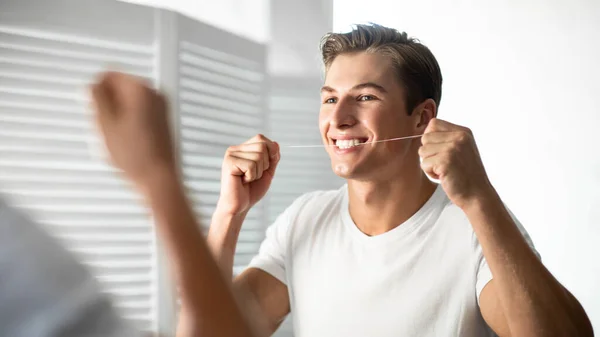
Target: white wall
247 18
524 76
296 30
292 29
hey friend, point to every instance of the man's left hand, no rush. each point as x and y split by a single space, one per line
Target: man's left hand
449 154
134 121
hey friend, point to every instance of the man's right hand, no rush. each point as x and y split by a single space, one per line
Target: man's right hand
247 173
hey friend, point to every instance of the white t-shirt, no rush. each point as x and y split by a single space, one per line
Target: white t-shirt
422 278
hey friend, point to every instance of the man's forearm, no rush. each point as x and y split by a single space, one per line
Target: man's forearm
205 295
534 302
222 240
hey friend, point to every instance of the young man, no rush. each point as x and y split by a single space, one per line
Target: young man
390 253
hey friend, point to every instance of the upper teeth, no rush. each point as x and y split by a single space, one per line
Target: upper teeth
347 143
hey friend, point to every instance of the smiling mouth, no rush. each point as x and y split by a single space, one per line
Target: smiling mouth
349 143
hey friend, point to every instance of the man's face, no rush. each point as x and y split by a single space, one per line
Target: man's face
362 101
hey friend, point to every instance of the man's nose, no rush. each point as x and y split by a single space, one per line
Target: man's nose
343 115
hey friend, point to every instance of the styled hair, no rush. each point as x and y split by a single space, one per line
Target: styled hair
415 66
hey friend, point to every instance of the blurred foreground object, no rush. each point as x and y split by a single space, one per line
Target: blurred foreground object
133 122
44 290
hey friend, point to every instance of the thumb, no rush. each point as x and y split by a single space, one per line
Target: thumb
274 161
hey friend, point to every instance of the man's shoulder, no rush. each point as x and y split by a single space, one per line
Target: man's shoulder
454 218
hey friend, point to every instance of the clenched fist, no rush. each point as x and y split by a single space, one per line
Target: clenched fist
133 121
247 173
449 153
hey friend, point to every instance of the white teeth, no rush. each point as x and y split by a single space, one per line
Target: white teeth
347 143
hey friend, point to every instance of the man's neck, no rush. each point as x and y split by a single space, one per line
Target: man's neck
378 207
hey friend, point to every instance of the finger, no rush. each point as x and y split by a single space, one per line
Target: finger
272 147
254 147
428 166
258 138
263 139
274 161
433 149
257 157
266 158
272 150
436 124
436 166
245 168
439 137
250 147
265 143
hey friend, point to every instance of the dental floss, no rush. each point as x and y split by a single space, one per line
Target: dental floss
377 141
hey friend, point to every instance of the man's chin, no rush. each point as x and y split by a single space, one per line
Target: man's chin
348 172
341 169
357 170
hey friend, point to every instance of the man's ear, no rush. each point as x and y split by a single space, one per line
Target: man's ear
425 111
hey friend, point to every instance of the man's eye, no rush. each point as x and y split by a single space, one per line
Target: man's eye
330 100
366 98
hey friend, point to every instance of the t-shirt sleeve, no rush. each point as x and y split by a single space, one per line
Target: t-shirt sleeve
484 274
44 290
273 250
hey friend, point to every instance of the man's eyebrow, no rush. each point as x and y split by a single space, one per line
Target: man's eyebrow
326 88
371 85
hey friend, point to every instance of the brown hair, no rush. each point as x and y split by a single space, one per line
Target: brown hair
416 67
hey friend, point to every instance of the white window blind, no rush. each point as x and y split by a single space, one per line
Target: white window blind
221 103
49 52
294 119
